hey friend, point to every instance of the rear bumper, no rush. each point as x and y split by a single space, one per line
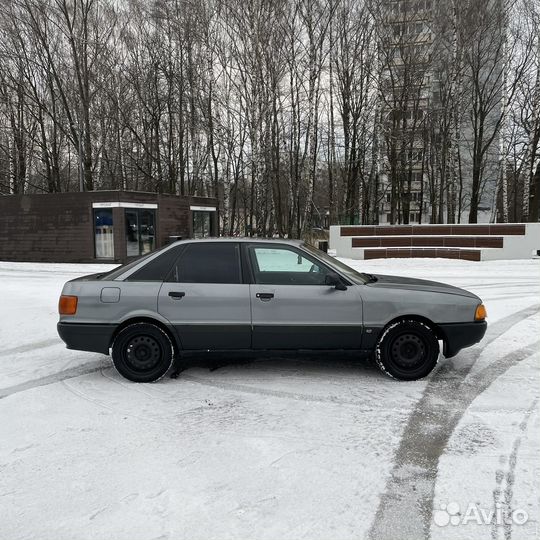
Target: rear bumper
457 336
86 337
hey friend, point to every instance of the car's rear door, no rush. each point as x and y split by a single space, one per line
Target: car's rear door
293 308
205 299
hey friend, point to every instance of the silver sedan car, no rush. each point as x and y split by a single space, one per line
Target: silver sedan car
262 296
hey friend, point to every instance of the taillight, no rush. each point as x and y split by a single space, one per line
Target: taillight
67 305
481 313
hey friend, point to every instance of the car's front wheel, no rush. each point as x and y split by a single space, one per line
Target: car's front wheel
407 350
142 352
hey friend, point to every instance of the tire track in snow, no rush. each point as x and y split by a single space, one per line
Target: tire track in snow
98 402
296 396
162 397
31 346
525 284
170 421
487 299
69 373
502 498
409 492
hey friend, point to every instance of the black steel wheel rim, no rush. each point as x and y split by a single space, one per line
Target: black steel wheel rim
408 350
143 353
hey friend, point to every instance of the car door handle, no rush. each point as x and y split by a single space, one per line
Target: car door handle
176 294
265 295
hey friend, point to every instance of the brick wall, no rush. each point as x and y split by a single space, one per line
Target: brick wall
55 227
59 227
174 218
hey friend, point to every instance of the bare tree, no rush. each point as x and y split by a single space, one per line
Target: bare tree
283 110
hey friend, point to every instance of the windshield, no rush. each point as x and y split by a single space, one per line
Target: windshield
347 271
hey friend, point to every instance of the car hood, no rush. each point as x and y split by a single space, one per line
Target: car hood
397 282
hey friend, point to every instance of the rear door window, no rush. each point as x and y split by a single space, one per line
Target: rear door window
208 262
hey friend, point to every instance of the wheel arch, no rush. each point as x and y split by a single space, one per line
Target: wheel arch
149 320
434 327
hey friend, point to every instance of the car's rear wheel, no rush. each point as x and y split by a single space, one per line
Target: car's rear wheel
142 352
407 350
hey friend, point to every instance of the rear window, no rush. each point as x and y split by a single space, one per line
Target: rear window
157 269
119 270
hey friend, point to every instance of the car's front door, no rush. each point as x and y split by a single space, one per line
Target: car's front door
293 308
205 299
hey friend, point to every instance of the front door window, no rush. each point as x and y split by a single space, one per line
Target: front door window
283 266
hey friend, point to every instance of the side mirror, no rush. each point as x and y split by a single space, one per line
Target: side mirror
334 280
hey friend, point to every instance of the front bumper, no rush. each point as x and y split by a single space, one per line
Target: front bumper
457 336
86 337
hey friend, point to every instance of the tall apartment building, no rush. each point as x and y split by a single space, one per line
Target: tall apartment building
412 49
405 50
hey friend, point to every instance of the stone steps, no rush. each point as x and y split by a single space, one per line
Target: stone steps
428 241
471 242
424 252
501 229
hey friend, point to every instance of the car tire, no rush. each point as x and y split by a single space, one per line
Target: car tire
407 350
142 352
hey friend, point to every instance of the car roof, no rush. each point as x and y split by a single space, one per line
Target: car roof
138 263
241 239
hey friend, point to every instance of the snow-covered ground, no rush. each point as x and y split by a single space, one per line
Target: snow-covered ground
310 448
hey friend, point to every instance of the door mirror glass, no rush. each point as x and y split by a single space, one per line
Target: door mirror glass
334 280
